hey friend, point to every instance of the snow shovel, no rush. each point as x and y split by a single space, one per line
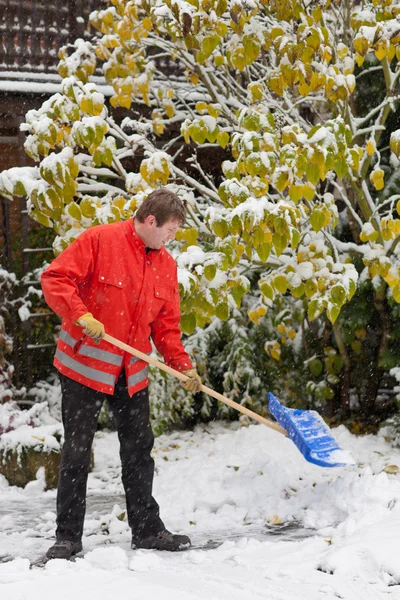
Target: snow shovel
305 428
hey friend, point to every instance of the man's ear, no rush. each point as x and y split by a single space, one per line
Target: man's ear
150 220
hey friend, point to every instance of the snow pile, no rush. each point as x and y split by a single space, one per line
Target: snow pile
12 417
50 393
288 529
33 428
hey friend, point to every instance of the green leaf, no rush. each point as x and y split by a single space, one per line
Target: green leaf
210 43
210 272
41 218
222 311
341 166
338 294
87 207
188 323
263 252
280 243
295 238
237 294
313 173
280 283
333 364
315 366
251 48
298 291
258 237
74 211
333 312
266 289
311 288
223 139
19 189
328 393
220 228
317 219
315 309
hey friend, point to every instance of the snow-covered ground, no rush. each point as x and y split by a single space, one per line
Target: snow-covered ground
340 538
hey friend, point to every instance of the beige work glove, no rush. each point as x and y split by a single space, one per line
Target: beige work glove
193 384
91 326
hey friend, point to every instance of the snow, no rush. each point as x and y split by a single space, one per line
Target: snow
305 270
24 313
51 84
228 482
43 439
193 255
34 428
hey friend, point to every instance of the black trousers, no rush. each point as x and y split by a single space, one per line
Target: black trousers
80 411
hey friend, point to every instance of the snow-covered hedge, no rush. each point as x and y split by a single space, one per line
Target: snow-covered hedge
29 439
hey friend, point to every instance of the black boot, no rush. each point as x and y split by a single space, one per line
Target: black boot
64 549
164 540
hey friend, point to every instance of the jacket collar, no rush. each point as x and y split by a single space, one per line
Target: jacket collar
137 241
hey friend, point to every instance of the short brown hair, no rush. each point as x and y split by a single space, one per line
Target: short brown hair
163 205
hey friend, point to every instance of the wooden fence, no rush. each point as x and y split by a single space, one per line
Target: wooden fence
32 31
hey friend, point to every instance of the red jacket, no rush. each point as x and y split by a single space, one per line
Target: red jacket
107 272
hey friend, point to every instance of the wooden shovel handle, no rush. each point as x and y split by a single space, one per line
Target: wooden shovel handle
182 377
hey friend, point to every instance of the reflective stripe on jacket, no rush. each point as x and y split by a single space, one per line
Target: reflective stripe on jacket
107 272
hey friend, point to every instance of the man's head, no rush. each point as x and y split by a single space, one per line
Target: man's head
159 218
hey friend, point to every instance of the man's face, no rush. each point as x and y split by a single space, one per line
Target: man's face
156 237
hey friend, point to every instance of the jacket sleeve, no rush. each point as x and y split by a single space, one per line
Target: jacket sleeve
166 335
63 277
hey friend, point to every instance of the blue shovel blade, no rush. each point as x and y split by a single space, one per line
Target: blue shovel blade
309 432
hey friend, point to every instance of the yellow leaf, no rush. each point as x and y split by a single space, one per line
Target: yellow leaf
256 90
395 145
276 84
359 59
280 283
391 469
169 110
147 24
86 105
381 51
223 139
275 520
219 60
296 193
256 314
377 178
361 45
317 219
275 351
267 237
304 89
201 107
371 147
396 293
281 181
342 51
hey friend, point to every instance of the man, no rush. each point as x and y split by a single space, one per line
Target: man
117 278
